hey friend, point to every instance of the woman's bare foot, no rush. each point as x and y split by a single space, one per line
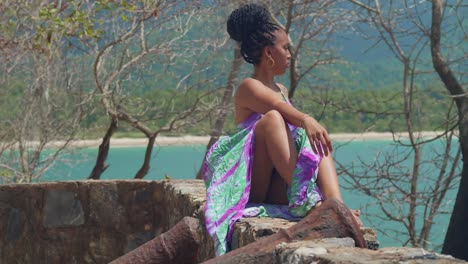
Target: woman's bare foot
356 214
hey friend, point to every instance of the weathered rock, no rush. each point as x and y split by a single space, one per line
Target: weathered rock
301 251
104 207
91 221
15 225
403 255
137 239
370 236
118 216
331 219
62 208
332 242
248 230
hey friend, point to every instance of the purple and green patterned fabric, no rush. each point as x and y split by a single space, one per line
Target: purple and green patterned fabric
227 171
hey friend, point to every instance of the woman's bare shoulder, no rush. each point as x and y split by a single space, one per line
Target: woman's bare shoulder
248 86
250 82
283 88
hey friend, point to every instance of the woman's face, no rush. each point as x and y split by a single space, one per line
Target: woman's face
279 52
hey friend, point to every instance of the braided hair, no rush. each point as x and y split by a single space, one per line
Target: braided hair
252 27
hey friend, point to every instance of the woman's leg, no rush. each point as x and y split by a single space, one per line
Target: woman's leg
327 181
278 191
274 148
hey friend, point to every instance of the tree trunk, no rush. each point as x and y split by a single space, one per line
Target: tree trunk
455 239
101 165
225 103
146 163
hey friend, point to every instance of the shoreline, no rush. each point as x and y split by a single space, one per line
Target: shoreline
203 140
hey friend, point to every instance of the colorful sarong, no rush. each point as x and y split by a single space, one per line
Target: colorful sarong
227 171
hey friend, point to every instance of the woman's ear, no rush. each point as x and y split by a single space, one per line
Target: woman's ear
267 51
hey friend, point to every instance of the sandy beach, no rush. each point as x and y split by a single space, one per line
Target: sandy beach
383 135
203 140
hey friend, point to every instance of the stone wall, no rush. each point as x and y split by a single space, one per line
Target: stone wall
90 221
98 221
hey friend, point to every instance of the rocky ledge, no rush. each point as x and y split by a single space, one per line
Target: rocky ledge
99 221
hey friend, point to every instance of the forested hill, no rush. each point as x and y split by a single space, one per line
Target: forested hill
68 61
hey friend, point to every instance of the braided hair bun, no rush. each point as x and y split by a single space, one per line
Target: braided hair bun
251 25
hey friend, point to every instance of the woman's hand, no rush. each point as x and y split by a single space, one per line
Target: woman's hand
318 136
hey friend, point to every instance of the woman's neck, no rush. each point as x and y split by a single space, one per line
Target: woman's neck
263 75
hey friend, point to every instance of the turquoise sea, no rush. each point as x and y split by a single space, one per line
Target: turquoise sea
182 162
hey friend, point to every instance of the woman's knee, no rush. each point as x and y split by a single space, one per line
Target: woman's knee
273 118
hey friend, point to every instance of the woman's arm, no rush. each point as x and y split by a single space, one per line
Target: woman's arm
253 95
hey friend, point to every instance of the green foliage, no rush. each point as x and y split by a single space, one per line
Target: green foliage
44 25
6 176
378 110
340 110
348 97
